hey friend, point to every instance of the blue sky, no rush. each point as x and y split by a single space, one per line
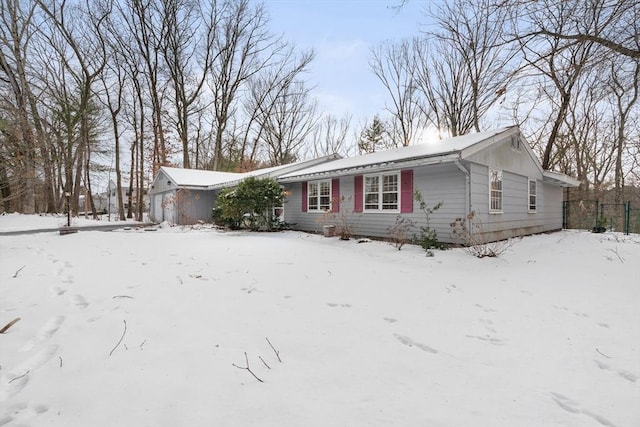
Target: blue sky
342 32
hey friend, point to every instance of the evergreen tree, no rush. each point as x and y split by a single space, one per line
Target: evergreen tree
374 137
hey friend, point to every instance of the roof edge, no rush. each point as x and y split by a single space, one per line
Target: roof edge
560 179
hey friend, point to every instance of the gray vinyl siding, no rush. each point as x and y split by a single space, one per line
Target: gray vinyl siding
194 206
515 218
437 183
181 207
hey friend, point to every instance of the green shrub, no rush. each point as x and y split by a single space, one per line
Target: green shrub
427 237
249 205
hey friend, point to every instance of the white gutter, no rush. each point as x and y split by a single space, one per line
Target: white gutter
378 167
467 183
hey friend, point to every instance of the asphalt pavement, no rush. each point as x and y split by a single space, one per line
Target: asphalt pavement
101 227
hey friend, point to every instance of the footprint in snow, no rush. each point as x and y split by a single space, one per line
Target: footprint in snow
486 309
17 378
79 301
57 291
629 376
45 332
575 408
411 343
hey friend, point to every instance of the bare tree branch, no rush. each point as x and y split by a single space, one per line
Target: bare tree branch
247 368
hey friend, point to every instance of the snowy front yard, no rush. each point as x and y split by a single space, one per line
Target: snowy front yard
546 335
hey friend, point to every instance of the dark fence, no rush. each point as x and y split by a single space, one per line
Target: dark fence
597 216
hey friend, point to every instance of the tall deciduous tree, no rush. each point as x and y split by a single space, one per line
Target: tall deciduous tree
394 65
188 50
243 47
16 126
463 67
330 137
80 30
289 122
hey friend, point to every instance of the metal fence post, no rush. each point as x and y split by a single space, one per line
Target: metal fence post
627 217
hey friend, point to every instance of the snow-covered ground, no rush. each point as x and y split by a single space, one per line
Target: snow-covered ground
143 328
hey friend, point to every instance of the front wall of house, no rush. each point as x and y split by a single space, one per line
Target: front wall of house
437 183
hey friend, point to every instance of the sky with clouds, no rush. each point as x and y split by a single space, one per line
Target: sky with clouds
342 33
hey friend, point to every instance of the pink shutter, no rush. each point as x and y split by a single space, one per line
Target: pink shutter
357 193
406 191
305 199
335 195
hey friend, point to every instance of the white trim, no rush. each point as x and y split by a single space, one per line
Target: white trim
559 179
318 197
380 193
499 192
535 195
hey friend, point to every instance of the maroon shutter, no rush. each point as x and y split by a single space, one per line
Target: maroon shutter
335 195
406 191
305 199
357 193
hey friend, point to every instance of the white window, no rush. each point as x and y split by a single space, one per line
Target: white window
381 192
533 191
319 195
515 142
495 185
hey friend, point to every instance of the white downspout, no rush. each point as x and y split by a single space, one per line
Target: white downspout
467 196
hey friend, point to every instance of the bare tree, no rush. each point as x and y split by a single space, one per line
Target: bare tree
114 83
474 31
330 137
624 84
243 48
18 140
612 24
144 31
393 65
445 87
190 30
81 30
463 67
266 86
289 123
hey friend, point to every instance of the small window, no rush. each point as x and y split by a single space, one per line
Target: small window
515 142
381 192
533 192
495 181
319 196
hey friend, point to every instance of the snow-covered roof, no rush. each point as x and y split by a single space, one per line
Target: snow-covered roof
435 148
211 180
197 178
